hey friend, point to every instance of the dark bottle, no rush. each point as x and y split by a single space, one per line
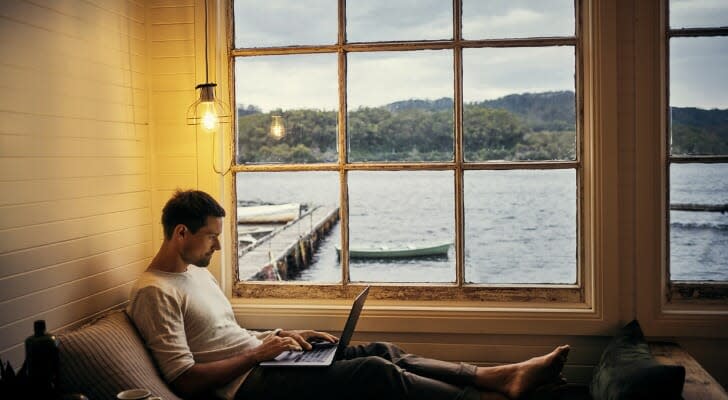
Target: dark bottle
41 361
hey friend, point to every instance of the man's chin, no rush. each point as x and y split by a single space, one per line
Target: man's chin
203 262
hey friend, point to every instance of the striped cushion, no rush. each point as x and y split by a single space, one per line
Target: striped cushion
105 357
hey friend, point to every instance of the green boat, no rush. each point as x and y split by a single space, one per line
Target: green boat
399 251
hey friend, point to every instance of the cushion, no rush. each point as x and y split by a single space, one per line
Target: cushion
627 370
105 357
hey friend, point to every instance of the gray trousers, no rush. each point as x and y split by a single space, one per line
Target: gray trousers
374 371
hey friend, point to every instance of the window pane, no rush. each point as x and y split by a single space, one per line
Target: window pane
517 18
400 106
698 239
390 212
520 226
285 22
517 108
303 91
386 20
277 212
698 13
699 95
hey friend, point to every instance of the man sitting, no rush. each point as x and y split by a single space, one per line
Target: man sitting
189 326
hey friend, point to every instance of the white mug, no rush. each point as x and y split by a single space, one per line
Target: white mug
134 394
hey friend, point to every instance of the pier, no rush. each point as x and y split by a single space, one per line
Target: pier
286 249
722 208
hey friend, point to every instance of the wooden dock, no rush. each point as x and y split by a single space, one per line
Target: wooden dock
722 208
287 249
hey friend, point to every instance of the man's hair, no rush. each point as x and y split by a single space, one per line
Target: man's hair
191 209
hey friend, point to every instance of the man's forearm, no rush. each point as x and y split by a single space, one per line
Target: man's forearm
204 377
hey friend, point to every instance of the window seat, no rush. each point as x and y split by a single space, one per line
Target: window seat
699 384
107 356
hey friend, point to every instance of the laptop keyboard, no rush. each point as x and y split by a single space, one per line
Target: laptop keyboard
316 354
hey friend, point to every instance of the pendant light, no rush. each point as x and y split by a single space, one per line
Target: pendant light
208 112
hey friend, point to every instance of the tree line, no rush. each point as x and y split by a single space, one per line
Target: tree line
529 126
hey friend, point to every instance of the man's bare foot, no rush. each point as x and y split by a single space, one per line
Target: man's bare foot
535 372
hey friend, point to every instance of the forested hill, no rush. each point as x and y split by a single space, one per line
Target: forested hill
527 126
539 111
695 130
699 131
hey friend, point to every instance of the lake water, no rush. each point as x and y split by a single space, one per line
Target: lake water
520 226
699 240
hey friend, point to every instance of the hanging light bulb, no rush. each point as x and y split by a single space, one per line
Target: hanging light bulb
207 111
277 128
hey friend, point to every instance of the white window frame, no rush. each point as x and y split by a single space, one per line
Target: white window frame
596 308
660 307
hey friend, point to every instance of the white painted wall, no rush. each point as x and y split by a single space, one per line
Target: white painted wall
85 83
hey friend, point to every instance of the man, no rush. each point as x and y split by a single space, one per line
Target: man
189 326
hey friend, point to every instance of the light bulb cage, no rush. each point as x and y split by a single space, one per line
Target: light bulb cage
207 99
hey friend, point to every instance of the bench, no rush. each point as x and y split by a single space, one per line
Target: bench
106 356
699 384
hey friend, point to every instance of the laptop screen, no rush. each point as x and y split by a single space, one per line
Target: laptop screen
348 331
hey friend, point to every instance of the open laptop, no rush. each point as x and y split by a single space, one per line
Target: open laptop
322 354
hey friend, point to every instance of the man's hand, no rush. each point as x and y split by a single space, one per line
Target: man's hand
303 337
274 345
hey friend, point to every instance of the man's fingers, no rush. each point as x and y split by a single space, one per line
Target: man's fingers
292 343
300 341
327 337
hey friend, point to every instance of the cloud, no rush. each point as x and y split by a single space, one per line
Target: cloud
285 23
517 19
698 73
698 13
288 82
377 78
380 78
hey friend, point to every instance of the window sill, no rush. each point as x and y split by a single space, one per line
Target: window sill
422 317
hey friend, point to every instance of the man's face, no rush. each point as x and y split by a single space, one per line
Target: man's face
199 246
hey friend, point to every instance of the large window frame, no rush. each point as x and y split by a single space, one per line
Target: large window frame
597 181
678 292
656 307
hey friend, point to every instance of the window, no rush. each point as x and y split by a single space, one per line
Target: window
409 144
697 159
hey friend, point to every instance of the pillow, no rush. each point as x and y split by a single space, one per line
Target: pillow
627 370
105 357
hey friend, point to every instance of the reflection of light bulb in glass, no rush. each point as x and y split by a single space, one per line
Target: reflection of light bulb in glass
209 120
277 128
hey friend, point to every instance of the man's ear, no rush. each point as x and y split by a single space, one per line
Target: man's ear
180 231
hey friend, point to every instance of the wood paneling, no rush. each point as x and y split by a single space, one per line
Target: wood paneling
173 49
75 160
45 257
27 214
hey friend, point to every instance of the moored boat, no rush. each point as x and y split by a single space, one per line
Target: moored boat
398 251
269 214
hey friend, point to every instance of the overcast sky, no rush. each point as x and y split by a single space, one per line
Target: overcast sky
698 67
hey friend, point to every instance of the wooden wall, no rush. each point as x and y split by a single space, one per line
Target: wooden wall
182 156
81 175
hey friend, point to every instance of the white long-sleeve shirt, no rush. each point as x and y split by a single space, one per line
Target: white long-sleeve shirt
184 319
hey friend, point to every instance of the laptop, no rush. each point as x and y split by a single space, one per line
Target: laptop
323 353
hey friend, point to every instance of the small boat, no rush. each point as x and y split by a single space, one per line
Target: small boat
400 251
269 214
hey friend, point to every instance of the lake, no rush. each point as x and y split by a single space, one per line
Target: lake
520 226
